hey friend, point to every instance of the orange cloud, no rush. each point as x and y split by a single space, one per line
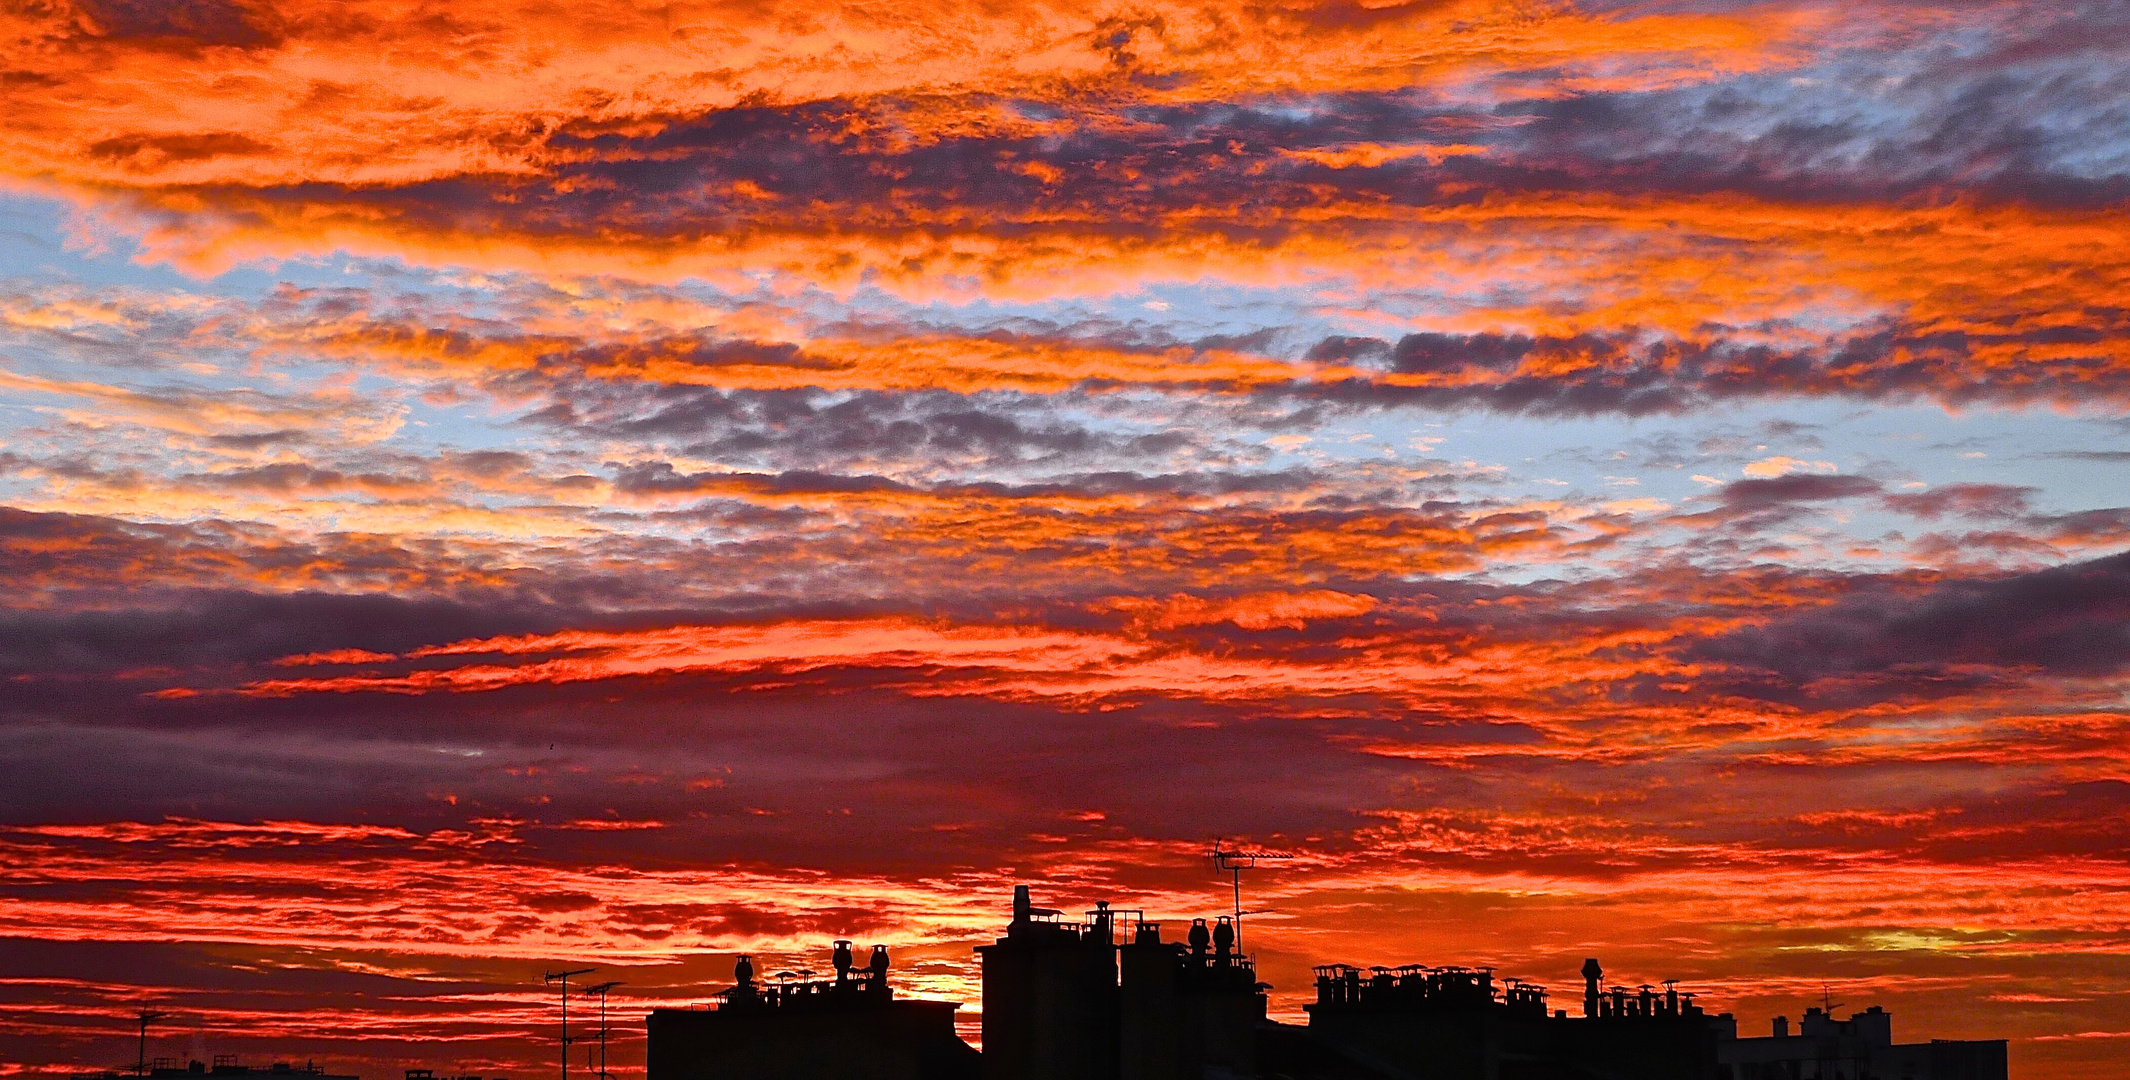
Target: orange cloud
379 93
1258 611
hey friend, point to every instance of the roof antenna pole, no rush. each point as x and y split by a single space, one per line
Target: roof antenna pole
563 977
147 1016
1233 862
601 990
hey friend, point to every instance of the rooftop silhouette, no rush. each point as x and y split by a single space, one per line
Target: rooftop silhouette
1105 997
222 1065
794 1026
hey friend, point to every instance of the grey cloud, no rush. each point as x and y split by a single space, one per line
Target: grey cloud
2064 621
935 434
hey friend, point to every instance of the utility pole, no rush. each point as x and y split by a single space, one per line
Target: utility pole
147 1016
601 990
551 978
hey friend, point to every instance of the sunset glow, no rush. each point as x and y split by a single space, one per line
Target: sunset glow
486 486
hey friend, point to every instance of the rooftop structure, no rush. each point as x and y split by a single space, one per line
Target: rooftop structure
1051 1005
1859 1048
1458 1023
849 1027
1104 997
222 1065
1189 1008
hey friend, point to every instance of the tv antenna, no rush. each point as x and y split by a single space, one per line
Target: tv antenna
562 977
600 989
1233 862
147 1016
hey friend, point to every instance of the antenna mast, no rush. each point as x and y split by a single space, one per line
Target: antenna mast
601 990
1233 863
563 977
147 1016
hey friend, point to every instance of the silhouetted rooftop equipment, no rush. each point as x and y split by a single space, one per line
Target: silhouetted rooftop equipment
798 989
1067 1000
1859 1046
147 1016
1233 863
223 1065
562 977
601 990
848 1026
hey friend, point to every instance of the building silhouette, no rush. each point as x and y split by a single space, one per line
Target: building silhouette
1104 997
1066 1001
223 1067
850 1026
1862 1046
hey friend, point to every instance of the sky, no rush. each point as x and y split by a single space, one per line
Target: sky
490 488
